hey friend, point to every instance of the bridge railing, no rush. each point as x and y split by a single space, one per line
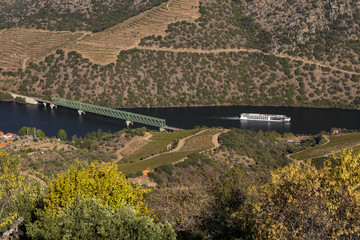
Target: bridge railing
110 112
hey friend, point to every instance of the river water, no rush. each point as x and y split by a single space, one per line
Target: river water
304 120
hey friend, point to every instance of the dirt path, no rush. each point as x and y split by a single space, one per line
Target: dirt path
293 159
248 50
181 142
215 139
146 180
167 5
128 146
84 35
104 47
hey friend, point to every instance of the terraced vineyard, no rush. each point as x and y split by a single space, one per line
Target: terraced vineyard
191 142
335 144
19 46
103 47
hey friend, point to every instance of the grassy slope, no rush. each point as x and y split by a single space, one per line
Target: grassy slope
153 162
158 143
335 145
196 143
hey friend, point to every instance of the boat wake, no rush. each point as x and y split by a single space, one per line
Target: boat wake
227 118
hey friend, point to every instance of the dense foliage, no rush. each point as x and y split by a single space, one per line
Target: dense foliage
266 151
91 203
245 189
18 195
156 78
11 183
297 201
101 181
300 202
89 219
312 30
31 131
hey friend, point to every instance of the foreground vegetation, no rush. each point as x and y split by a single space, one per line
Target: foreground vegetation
247 188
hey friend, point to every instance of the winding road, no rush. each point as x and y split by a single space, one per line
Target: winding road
247 50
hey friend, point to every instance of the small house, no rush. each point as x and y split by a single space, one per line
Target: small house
9 136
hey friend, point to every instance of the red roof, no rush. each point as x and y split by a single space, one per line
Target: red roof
3 144
9 134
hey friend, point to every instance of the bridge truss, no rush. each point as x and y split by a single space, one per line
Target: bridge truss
127 116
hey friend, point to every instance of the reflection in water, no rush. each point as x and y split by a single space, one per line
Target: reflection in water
266 126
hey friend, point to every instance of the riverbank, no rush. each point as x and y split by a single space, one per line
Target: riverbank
31 100
212 105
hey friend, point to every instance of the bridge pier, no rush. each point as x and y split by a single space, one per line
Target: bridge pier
161 129
81 112
44 103
127 117
128 122
52 105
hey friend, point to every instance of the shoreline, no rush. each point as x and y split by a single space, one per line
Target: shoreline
223 105
243 105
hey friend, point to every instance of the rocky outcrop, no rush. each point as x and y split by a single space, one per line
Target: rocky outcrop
301 19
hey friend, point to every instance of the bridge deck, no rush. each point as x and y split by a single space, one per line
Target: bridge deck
172 128
128 116
42 100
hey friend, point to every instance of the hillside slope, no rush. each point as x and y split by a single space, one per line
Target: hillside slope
21 46
70 15
228 55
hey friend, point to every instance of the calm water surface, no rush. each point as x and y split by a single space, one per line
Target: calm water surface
304 120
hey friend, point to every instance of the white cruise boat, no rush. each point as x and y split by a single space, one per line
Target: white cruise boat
264 117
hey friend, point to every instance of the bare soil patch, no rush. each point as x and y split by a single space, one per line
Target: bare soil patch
103 47
133 145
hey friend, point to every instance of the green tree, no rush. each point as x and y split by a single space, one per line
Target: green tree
89 219
30 131
62 134
23 131
225 216
40 134
102 181
301 202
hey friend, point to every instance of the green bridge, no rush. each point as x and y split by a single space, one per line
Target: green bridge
127 116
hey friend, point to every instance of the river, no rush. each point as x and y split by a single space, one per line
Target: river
304 120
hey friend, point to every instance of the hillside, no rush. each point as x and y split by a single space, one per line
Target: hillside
221 53
70 15
20 46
